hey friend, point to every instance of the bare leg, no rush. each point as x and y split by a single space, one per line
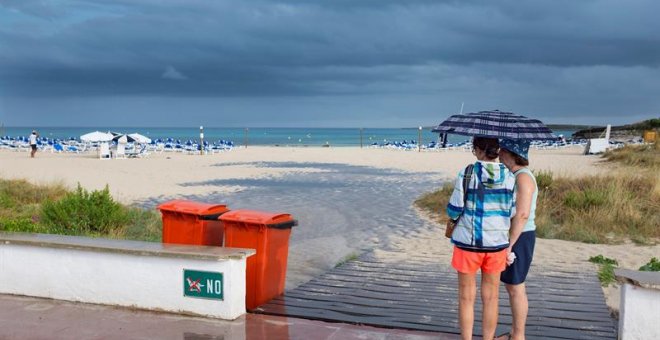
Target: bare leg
519 307
489 297
467 291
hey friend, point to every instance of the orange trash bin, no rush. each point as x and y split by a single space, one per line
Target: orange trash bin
189 222
267 233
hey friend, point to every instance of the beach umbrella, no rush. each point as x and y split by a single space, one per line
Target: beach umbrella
495 124
140 138
123 138
96 136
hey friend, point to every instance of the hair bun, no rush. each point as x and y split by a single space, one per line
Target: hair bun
492 152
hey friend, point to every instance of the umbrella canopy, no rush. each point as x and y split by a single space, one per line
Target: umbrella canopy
140 138
495 124
96 136
123 139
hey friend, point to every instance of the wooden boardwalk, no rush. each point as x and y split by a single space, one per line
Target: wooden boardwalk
563 305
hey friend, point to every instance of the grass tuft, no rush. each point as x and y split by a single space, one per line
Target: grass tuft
436 202
18 192
643 156
595 209
20 203
143 225
600 209
544 179
606 272
348 258
606 275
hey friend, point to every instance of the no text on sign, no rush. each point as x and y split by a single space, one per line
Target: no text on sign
204 285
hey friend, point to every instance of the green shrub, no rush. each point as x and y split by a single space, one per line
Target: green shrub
600 259
52 209
651 266
81 212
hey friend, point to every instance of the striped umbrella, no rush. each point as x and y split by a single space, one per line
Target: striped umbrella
495 124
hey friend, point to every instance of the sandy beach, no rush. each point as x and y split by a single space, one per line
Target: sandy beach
315 247
166 174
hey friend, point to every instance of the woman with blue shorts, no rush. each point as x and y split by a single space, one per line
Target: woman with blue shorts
514 155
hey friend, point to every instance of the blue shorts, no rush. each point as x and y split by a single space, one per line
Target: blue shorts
516 273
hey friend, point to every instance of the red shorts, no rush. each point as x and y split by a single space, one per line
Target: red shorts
469 262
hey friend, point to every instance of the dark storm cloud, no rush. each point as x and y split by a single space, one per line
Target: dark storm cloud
326 62
302 47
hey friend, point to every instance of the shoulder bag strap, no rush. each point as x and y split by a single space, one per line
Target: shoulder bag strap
467 176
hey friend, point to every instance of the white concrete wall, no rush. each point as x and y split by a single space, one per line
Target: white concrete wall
148 282
639 317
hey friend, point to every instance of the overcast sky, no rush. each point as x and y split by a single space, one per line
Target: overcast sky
331 63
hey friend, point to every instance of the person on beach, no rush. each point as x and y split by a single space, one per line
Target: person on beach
33 143
481 234
522 237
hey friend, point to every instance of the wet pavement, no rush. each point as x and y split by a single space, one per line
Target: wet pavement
339 199
35 318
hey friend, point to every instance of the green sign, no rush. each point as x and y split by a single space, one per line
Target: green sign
204 285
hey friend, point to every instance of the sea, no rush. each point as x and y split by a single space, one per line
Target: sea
340 137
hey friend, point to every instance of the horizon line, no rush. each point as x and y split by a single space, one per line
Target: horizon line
254 127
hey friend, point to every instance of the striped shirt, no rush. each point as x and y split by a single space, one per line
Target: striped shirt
486 218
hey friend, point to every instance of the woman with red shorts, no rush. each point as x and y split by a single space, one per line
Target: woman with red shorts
483 212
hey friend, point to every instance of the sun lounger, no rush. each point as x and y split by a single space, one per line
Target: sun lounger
138 154
104 151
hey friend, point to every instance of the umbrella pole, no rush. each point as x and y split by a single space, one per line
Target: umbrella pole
201 140
360 138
